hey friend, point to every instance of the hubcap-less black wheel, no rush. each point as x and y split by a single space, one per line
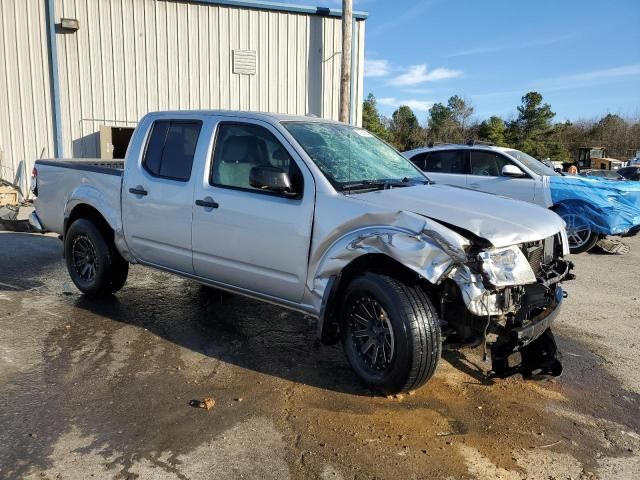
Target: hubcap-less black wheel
84 258
371 334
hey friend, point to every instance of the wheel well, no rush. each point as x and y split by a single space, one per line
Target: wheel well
329 330
377 263
89 213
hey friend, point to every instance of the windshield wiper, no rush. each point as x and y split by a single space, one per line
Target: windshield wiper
376 184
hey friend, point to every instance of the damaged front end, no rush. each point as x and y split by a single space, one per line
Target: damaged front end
506 301
502 297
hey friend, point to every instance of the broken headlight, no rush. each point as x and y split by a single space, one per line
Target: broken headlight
507 266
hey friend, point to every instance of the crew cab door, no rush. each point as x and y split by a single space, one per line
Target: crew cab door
157 195
443 166
485 175
246 237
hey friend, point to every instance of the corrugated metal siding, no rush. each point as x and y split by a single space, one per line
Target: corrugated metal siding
134 56
25 102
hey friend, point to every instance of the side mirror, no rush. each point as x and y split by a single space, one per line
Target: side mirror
512 171
271 179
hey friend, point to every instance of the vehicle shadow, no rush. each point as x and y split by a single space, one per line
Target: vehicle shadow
19 271
465 363
243 332
233 329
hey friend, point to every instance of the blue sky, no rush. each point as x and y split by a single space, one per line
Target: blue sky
582 55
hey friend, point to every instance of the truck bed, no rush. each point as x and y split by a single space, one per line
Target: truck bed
60 181
110 167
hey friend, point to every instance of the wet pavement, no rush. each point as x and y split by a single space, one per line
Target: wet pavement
102 388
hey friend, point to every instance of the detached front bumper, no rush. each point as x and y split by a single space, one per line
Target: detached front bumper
523 336
539 356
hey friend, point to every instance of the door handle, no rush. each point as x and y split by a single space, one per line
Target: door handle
138 191
207 203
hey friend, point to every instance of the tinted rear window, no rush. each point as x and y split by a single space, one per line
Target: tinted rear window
487 163
446 161
171 147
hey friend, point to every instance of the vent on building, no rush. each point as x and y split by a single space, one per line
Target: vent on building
244 62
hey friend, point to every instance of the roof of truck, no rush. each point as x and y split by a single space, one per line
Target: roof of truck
265 116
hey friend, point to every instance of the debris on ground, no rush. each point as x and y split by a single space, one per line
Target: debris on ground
397 396
207 403
8 212
15 218
8 194
613 246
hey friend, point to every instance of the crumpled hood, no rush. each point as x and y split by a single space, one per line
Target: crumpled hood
501 221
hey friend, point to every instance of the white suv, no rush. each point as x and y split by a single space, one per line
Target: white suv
590 208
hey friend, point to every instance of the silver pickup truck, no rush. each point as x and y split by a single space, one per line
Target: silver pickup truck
322 218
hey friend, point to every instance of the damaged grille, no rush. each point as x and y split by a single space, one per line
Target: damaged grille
540 253
533 252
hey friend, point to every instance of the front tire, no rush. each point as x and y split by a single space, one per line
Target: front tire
392 336
94 264
581 236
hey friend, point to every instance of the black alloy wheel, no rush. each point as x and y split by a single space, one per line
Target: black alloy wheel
84 258
93 261
372 334
391 332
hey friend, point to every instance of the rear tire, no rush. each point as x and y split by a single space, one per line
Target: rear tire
391 334
94 264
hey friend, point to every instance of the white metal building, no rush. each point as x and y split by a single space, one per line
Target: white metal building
71 69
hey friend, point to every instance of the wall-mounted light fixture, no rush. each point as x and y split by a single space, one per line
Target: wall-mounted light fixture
69 24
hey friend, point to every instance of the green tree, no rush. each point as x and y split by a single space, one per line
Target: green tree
406 133
371 119
441 123
530 131
558 145
534 117
493 130
450 122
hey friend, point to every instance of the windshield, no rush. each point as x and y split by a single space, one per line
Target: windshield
349 156
533 164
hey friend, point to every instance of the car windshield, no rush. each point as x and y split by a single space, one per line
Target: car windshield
351 157
533 164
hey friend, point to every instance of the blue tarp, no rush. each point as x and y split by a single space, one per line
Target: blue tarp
610 207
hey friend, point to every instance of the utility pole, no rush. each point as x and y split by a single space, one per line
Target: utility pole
345 69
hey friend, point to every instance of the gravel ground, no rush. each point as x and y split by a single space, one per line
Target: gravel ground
102 389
